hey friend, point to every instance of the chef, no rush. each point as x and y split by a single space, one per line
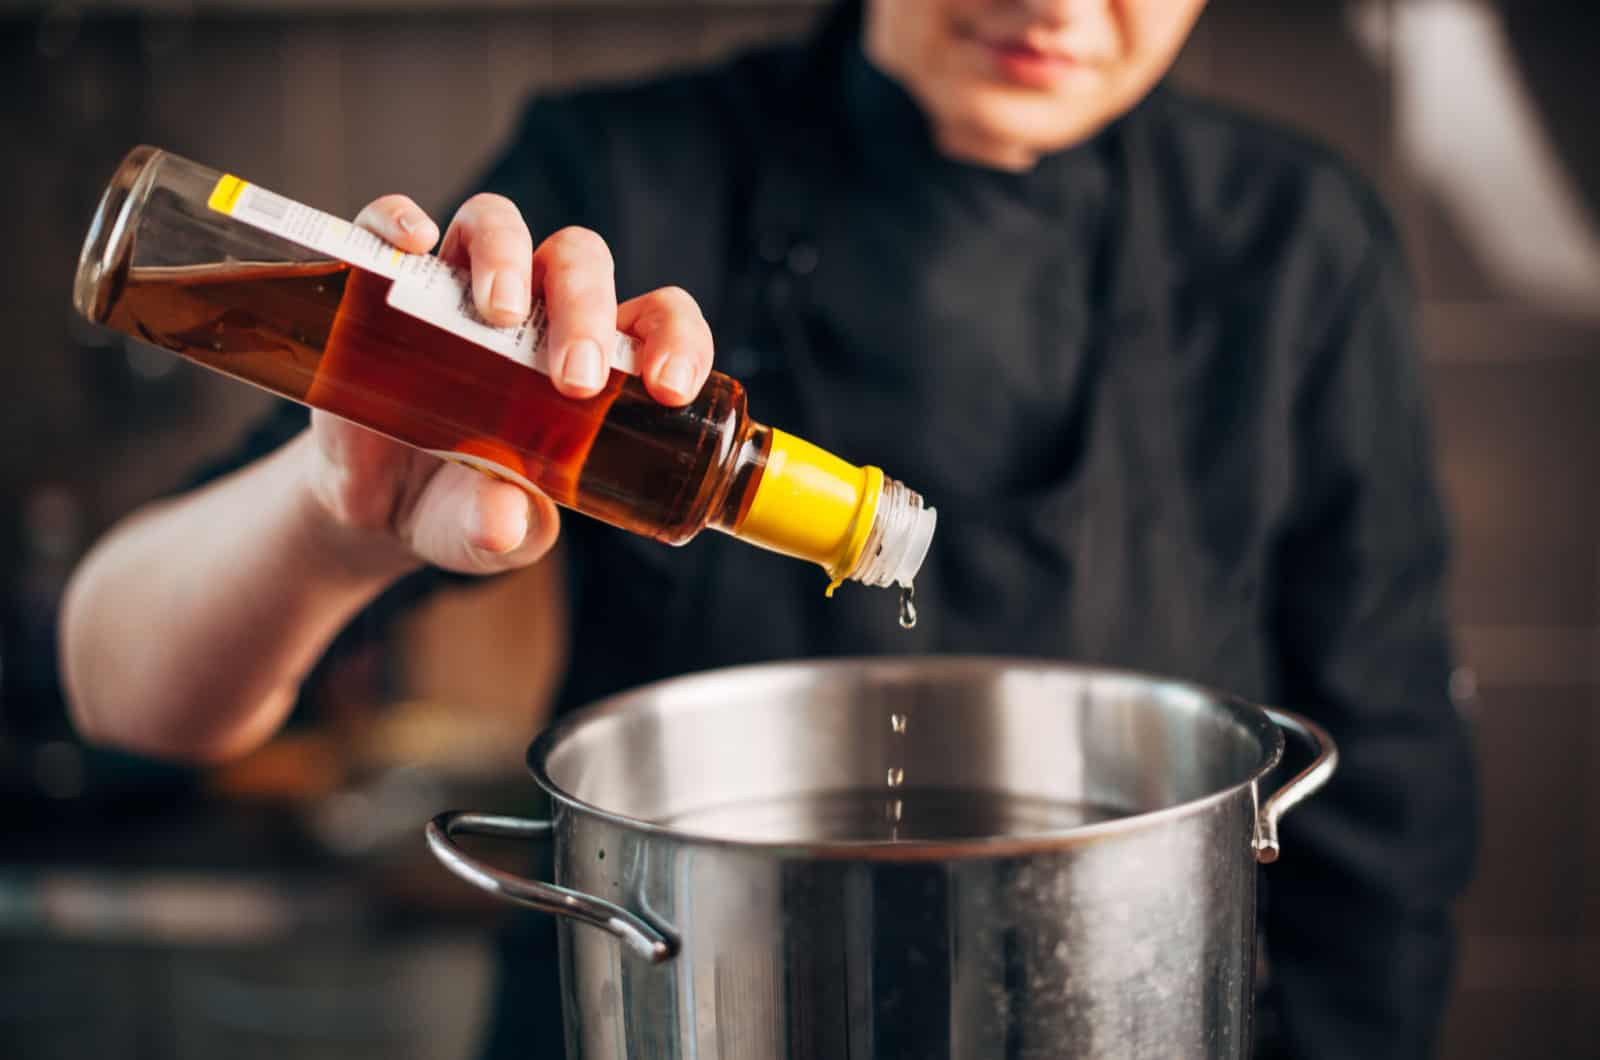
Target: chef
1153 360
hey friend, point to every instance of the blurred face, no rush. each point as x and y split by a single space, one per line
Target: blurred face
1006 81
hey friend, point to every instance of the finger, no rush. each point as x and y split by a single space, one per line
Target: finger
675 351
466 521
489 236
574 272
398 220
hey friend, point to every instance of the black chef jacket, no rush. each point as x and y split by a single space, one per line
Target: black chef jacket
1164 391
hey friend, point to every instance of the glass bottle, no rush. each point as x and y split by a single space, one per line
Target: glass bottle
311 308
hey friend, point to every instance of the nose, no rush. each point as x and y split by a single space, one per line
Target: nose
1061 11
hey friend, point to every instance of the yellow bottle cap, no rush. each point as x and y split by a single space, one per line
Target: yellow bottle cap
812 505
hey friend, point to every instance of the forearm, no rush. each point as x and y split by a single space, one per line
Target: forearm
186 631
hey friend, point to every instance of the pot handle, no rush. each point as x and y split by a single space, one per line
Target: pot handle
1305 783
648 942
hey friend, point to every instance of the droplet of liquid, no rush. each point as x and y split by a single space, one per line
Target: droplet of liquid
908 607
897 723
897 776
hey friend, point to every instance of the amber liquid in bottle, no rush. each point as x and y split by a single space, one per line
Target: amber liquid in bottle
322 333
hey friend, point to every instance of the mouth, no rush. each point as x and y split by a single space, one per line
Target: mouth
1028 63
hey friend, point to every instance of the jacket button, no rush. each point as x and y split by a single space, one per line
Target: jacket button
802 259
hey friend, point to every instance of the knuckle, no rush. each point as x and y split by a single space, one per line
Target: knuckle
575 242
501 238
487 213
677 304
564 283
676 297
682 328
487 202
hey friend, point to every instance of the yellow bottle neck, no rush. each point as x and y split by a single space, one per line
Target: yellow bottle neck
812 505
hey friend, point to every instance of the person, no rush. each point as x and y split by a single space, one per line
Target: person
1152 359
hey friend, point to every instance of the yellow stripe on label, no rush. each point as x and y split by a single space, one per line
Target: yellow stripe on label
225 196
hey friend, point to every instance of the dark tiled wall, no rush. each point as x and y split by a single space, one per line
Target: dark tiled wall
331 109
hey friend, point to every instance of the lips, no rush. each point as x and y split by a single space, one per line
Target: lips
1017 60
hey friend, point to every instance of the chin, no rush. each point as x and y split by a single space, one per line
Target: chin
1032 125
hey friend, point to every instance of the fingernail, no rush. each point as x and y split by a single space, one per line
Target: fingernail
413 222
510 294
478 531
677 375
519 530
584 366
483 289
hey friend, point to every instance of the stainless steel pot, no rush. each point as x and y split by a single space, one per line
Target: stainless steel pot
929 858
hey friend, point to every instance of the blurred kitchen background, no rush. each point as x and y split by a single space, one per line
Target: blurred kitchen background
284 905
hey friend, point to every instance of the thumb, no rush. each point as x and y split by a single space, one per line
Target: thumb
467 522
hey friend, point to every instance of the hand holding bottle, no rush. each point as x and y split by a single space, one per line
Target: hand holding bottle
412 366
376 490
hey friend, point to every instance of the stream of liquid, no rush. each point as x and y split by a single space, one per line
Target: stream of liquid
895 807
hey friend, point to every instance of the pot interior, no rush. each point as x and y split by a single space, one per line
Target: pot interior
872 750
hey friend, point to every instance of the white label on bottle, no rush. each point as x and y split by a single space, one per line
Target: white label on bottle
430 290
299 223
423 287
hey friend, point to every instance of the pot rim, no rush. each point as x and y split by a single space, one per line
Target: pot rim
1253 717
